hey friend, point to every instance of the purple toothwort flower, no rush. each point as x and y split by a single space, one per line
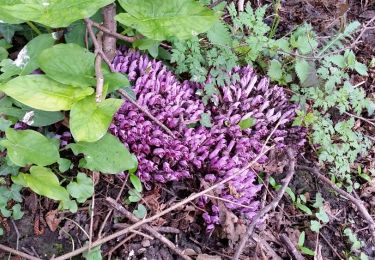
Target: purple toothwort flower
212 153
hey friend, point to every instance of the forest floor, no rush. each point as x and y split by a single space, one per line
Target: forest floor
32 234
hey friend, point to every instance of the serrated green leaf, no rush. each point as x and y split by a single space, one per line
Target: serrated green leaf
69 64
274 70
41 92
163 19
140 212
247 123
52 13
28 147
219 34
89 120
360 68
82 189
44 182
303 69
107 155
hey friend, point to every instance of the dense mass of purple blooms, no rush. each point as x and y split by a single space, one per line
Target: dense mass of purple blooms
216 152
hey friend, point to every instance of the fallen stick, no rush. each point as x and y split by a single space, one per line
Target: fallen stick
291 248
269 207
16 252
150 229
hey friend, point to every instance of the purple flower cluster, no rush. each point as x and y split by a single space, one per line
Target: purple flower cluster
214 153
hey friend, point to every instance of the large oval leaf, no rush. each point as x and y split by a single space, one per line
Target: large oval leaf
108 155
162 19
42 181
28 147
69 64
89 121
41 92
53 13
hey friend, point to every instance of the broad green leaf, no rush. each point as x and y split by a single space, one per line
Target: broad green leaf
41 92
3 53
302 68
108 155
247 123
219 34
274 70
69 204
301 239
360 68
150 45
26 147
4 124
136 182
44 118
52 13
27 59
163 19
44 182
69 64
82 189
89 120
140 212
322 216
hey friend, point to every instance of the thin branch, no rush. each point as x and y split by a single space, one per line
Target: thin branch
361 118
115 34
357 202
150 229
291 248
17 233
145 111
269 207
119 245
98 72
16 252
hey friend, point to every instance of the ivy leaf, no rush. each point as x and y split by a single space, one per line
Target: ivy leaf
69 204
134 196
322 216
163 19
94 254
314 226
219 34
108 155
274 70
205 120
69 64
64 164
56 14
8 30
41 92
17 213
42 181
136 182
247 123
89 120
30 147
82 189
27 59
140 212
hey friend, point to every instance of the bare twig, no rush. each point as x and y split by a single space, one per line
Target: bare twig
98 72
358 203
91 211
115 34
291 248
17 233
269 207
150 229
119 245
360 118
16 252
145 111
266 247
109 22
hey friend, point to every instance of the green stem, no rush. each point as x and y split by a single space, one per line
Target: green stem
33 27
